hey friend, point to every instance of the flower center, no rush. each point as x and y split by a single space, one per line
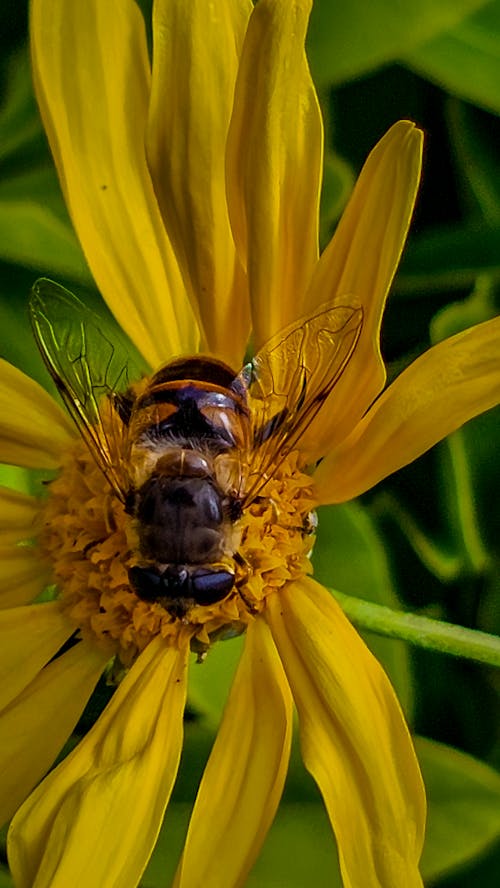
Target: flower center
90 542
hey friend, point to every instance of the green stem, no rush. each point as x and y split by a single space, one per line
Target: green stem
435 635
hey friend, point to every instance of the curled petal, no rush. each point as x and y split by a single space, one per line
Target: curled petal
353 738
95 819
274 164
42 718
191 101
359 264
92 79
446 386
34 431
244 777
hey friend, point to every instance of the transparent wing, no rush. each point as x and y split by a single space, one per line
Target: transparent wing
92 371
289 380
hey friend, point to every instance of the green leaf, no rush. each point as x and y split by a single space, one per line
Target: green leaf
477 161
161 868
350 556
17 338
31 234
437 556
20 126
464 807
449 258
209 682
35 230
38 184
349 39
5 879
305 829
465 60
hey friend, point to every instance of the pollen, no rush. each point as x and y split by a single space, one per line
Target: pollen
88 538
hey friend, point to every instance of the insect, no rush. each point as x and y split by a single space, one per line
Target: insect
187 449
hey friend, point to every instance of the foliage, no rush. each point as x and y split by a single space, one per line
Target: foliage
428 538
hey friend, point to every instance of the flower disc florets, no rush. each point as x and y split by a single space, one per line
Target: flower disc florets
89 540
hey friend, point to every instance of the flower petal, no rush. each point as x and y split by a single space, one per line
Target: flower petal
95 819
274 164
359 263
92 79
18 516
244 777
194 73
446 386
35 727
353 737
34 431
22 575
30 636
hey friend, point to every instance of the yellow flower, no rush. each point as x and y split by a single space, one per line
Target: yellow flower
194 191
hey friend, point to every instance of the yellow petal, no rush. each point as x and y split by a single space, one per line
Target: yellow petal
353 737
446 386
244 777
30 636
92 78
274 164
195 58
22 575
95 819
34 431
18 516
360 263
35 727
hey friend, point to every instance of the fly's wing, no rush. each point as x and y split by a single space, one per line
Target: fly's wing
290 379
92 372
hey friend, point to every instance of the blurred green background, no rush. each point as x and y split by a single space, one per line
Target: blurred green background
428 538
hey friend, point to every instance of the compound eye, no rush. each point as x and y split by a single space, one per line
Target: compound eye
210 586
145 583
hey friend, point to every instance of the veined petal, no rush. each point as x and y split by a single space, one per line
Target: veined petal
34 431
92 78
274 164
22 575
195 59
446 386
36 725
353 737
244 777
95 818
30 636
18 516
359 263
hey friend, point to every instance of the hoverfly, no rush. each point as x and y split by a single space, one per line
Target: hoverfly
187 449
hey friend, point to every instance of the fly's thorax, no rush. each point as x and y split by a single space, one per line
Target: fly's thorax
167 458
